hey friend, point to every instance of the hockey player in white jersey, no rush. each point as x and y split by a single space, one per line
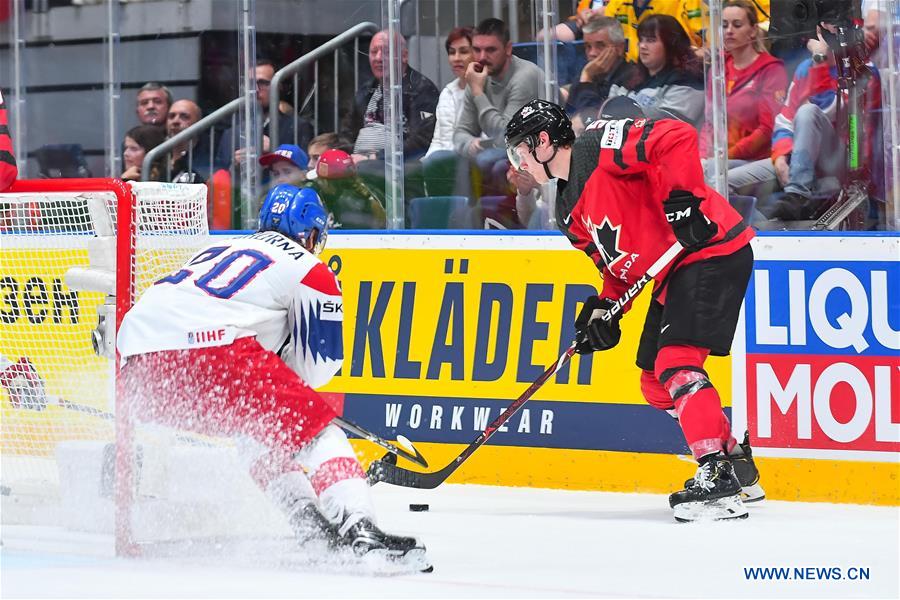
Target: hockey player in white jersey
235 343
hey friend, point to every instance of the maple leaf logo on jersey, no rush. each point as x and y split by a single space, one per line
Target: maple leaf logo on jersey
606 238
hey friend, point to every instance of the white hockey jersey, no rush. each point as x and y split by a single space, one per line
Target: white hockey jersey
262 285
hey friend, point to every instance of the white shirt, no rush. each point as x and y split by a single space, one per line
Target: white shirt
449 106
263 285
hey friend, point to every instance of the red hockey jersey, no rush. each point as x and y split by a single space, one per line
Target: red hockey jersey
612 205
8 169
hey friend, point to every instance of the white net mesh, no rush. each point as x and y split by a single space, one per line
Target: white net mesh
52 380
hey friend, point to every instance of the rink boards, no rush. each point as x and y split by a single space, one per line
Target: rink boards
443 331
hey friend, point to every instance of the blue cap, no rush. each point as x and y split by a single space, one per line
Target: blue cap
289 152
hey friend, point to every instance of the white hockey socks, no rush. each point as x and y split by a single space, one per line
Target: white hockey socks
337 477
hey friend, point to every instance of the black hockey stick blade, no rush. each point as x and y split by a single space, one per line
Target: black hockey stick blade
389 473
415 456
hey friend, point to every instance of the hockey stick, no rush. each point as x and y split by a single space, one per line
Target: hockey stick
412 454
390 473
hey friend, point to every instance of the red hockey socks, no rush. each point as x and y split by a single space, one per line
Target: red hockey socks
697 405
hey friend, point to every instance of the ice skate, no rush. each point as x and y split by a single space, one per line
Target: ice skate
713 495
312 528
375 547
741 457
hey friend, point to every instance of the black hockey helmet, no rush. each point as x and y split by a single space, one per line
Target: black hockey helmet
530 120
621 107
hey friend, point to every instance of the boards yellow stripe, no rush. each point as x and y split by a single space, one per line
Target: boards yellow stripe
805 480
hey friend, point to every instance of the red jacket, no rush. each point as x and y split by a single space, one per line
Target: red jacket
8 170
618 217
753 96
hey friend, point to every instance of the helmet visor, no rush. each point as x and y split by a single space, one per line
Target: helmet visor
518 154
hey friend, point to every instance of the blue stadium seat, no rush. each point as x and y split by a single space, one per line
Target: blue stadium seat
438 212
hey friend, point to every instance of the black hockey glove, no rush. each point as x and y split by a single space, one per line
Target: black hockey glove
592 332
692 229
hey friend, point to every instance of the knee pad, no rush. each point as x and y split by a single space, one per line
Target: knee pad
680 371
654 392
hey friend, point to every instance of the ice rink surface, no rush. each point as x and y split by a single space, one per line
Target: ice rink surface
493 542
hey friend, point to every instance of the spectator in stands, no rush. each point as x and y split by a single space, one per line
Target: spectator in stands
440 162
227 151
287 164
674 84
8 169
632 14
153 103
573 28
365 124
604 45
459 54
138 141
190 159
323 142
353 204
497 85
807 154
755 85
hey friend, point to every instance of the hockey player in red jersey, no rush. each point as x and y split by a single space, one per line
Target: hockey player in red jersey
628 189
8 169
235 343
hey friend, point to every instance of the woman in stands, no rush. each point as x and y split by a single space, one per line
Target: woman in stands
755 84
138 141
674 84
440 162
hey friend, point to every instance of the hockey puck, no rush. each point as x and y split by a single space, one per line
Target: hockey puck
418 507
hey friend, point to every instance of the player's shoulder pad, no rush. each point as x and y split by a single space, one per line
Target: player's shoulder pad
322 279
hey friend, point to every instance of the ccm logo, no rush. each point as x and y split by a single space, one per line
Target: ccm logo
330 307
678 215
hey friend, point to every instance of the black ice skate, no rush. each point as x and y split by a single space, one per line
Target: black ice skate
748 475
368 542
713 495
311 527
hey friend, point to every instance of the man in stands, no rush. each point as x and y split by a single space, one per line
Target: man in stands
497 85
8 169
234 345
365 124
629 189
153 102
227 150
190 160
807 153
604 45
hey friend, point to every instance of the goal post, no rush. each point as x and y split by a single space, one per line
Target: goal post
75 254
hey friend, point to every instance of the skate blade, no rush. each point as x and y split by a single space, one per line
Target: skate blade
721 509
346 561
753 493
388 562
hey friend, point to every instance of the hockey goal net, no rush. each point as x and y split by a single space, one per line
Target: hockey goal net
74 256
